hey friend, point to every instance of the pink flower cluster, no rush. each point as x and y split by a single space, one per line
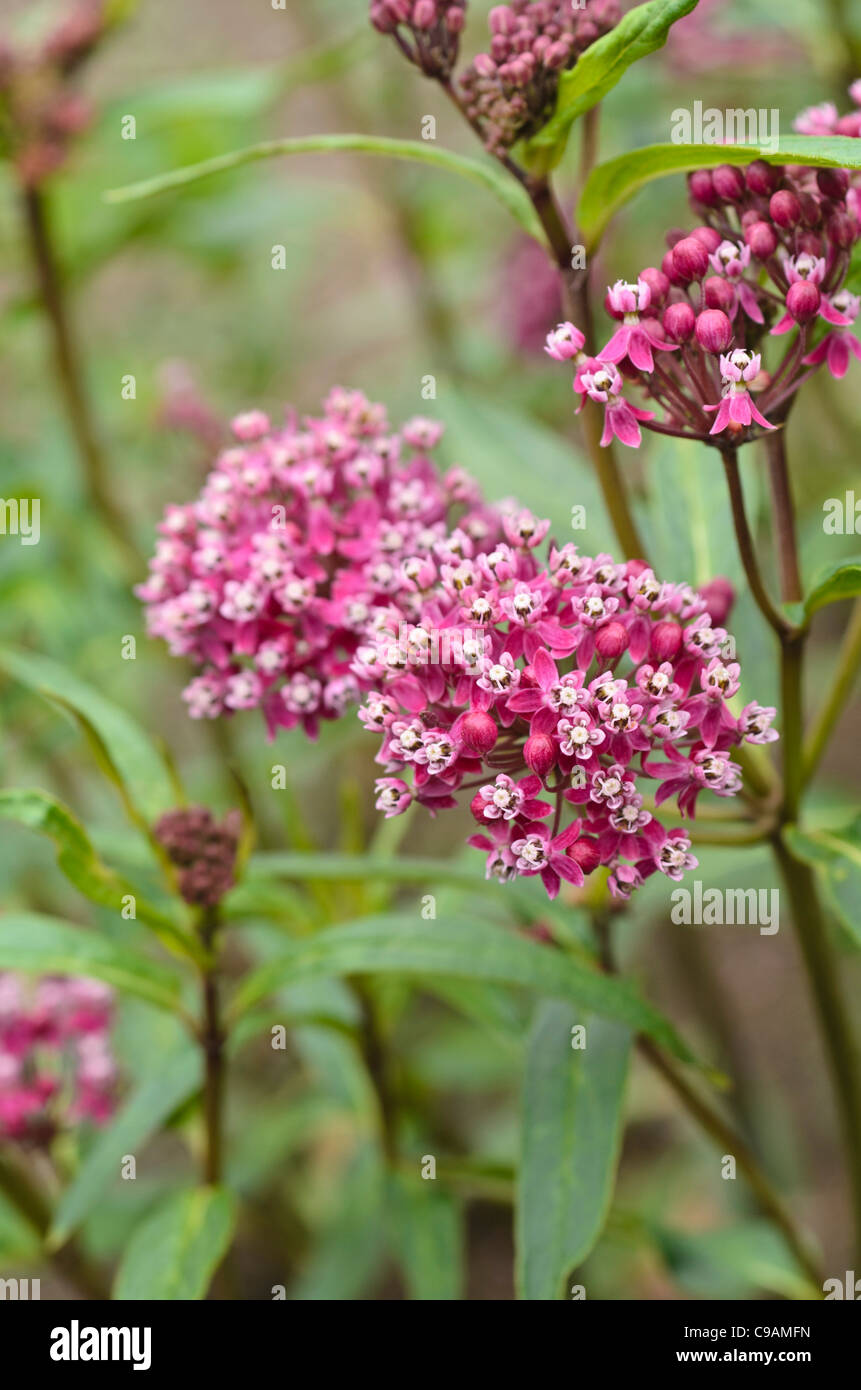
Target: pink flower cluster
303 538
510 92
770 257
825 119
41 110
562 693
56 1064
427 31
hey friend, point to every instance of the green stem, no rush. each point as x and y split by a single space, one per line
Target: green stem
69 380
746 547
848 663
783 511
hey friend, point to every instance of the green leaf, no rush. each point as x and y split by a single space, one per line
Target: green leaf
730 1262
836 855
597 71
571 1134
837 582
40 945
126 755
176 1250
428 1239
82 867
142 1114
612 184
502 185
466 949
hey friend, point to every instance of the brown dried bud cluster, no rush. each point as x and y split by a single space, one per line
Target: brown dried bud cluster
204 851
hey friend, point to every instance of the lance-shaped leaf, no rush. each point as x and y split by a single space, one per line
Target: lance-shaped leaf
837 582
82 867
612 184
123 751
597 71
466 949
480 171
176 1250
40 945
571 1134
427 1237
142 1114
836 855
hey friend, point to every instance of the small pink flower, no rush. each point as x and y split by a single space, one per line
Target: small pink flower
564 343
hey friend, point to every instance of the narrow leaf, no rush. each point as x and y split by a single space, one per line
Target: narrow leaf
509 192
176 1250
141 1116
840 581
125 752
428 1239
836 856
572 1129
40 945
465 949
613 183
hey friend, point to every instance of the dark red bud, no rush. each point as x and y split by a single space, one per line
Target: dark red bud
810 242
669 269
785 209
811 210
803 301
666 640
585 852
702 189
690 258
748 217
719 294
728 183
539 753
714 330
477 806
762 240
611 640
842 230
679 322
710 238
762 178
674 236
478 731
834 183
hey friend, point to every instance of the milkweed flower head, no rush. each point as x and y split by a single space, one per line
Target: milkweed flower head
203 850
597 685
509 91
699 335
42 109
305 540
56 1064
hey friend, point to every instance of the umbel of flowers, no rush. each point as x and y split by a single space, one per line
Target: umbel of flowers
56 1064
565 691
768 261
509 91
304 537
41 108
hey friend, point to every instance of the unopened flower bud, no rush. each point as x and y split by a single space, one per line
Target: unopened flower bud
762 240
478 732
666 640
785 209
714 330
762 178
702 189
803 301
834 183
710 238
719 293
539 754
720 597
669 269
679 322
657 283
611 640
728 183
842 230
424 14
690 258
585 852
